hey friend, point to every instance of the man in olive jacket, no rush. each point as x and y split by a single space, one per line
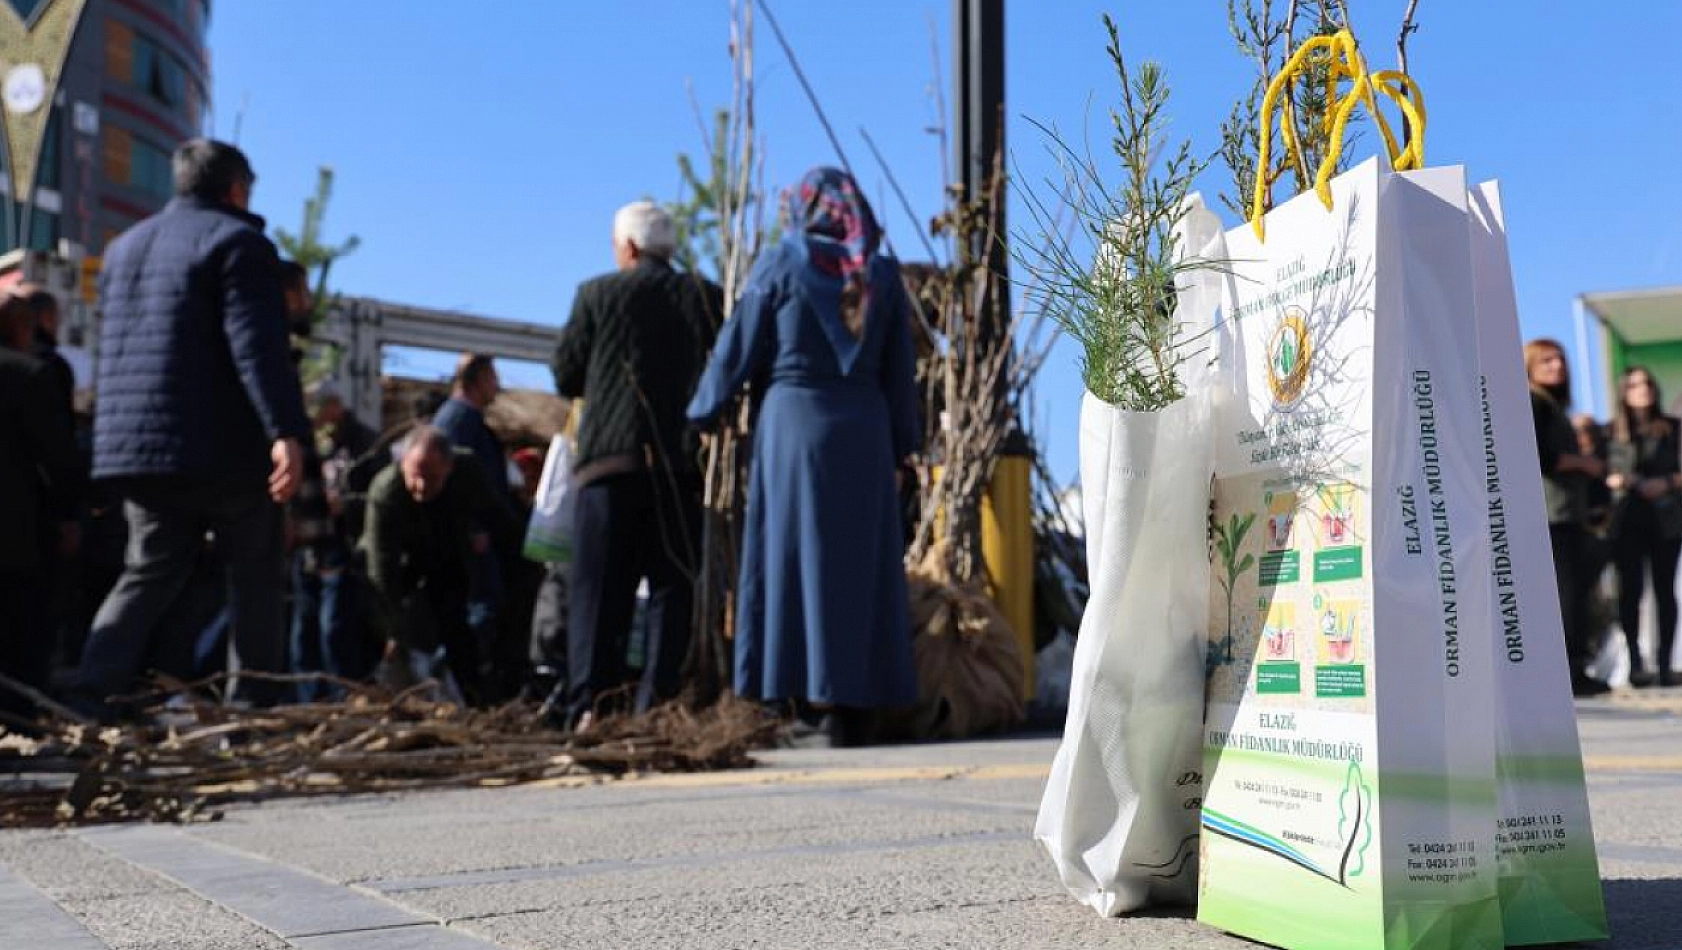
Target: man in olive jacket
429 515
634 350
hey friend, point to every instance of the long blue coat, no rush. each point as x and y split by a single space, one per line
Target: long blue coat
822 611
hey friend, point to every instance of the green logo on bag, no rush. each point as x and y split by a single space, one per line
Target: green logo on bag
1289 355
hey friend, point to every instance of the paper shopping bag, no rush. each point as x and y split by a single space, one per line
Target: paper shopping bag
1349 765
1549 878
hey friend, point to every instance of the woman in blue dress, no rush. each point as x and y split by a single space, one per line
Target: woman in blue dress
822 613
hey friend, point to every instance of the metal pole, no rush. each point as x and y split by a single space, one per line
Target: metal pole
979 102
1007 541
12 209
1584 380
979 58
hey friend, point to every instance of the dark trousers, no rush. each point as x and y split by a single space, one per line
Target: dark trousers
487 592
191 640
629 528
1576 570
1638 548
95 571
168 519
327 632
435 614
26 642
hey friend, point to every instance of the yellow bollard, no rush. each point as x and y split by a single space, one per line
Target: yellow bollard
1007 545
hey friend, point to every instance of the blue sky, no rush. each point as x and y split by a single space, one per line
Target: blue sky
481 148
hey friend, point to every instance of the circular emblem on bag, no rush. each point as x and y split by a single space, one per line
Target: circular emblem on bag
1289 354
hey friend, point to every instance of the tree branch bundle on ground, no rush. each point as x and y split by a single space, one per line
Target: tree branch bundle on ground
195 753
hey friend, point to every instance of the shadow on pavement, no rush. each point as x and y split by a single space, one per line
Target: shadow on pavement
1644 913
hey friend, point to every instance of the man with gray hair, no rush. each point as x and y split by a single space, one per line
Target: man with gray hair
633 350
200 423
429 515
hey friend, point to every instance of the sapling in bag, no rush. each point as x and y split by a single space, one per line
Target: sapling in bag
549 532
1119 813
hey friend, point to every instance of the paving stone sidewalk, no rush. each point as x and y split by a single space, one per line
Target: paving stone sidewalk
914 847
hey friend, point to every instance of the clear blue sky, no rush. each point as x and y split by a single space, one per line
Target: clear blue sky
481 148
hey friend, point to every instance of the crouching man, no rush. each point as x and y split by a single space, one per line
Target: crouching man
428 516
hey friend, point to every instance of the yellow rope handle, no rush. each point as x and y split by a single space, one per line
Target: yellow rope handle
1344 62
1270 101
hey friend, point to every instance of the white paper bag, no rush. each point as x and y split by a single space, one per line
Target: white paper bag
1350 783
1549 877
549 533
1119 814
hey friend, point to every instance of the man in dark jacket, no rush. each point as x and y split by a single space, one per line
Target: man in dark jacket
200 419
462 418
429 516
46 311
345 437
40 474
633 350
327 633
60 533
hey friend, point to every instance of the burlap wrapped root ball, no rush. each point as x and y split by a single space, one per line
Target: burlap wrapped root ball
969 665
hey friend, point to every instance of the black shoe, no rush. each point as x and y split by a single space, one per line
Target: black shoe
854 728
556 711
1668 678
1642 678
1585 685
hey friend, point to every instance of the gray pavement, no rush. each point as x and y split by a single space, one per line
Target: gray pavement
914 847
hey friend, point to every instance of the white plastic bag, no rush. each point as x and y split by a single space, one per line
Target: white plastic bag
549 533
1119 816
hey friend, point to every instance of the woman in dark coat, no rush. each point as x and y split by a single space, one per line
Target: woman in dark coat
1647 474
1566 477
822 613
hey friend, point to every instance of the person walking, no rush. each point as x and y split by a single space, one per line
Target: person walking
1566 477
823 615
40 476
200 421
1646 464
633 349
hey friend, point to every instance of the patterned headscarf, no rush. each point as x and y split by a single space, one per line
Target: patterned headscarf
830 213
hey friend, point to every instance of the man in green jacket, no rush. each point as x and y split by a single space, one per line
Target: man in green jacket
428 516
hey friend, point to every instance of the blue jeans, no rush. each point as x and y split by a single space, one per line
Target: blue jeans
327 636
